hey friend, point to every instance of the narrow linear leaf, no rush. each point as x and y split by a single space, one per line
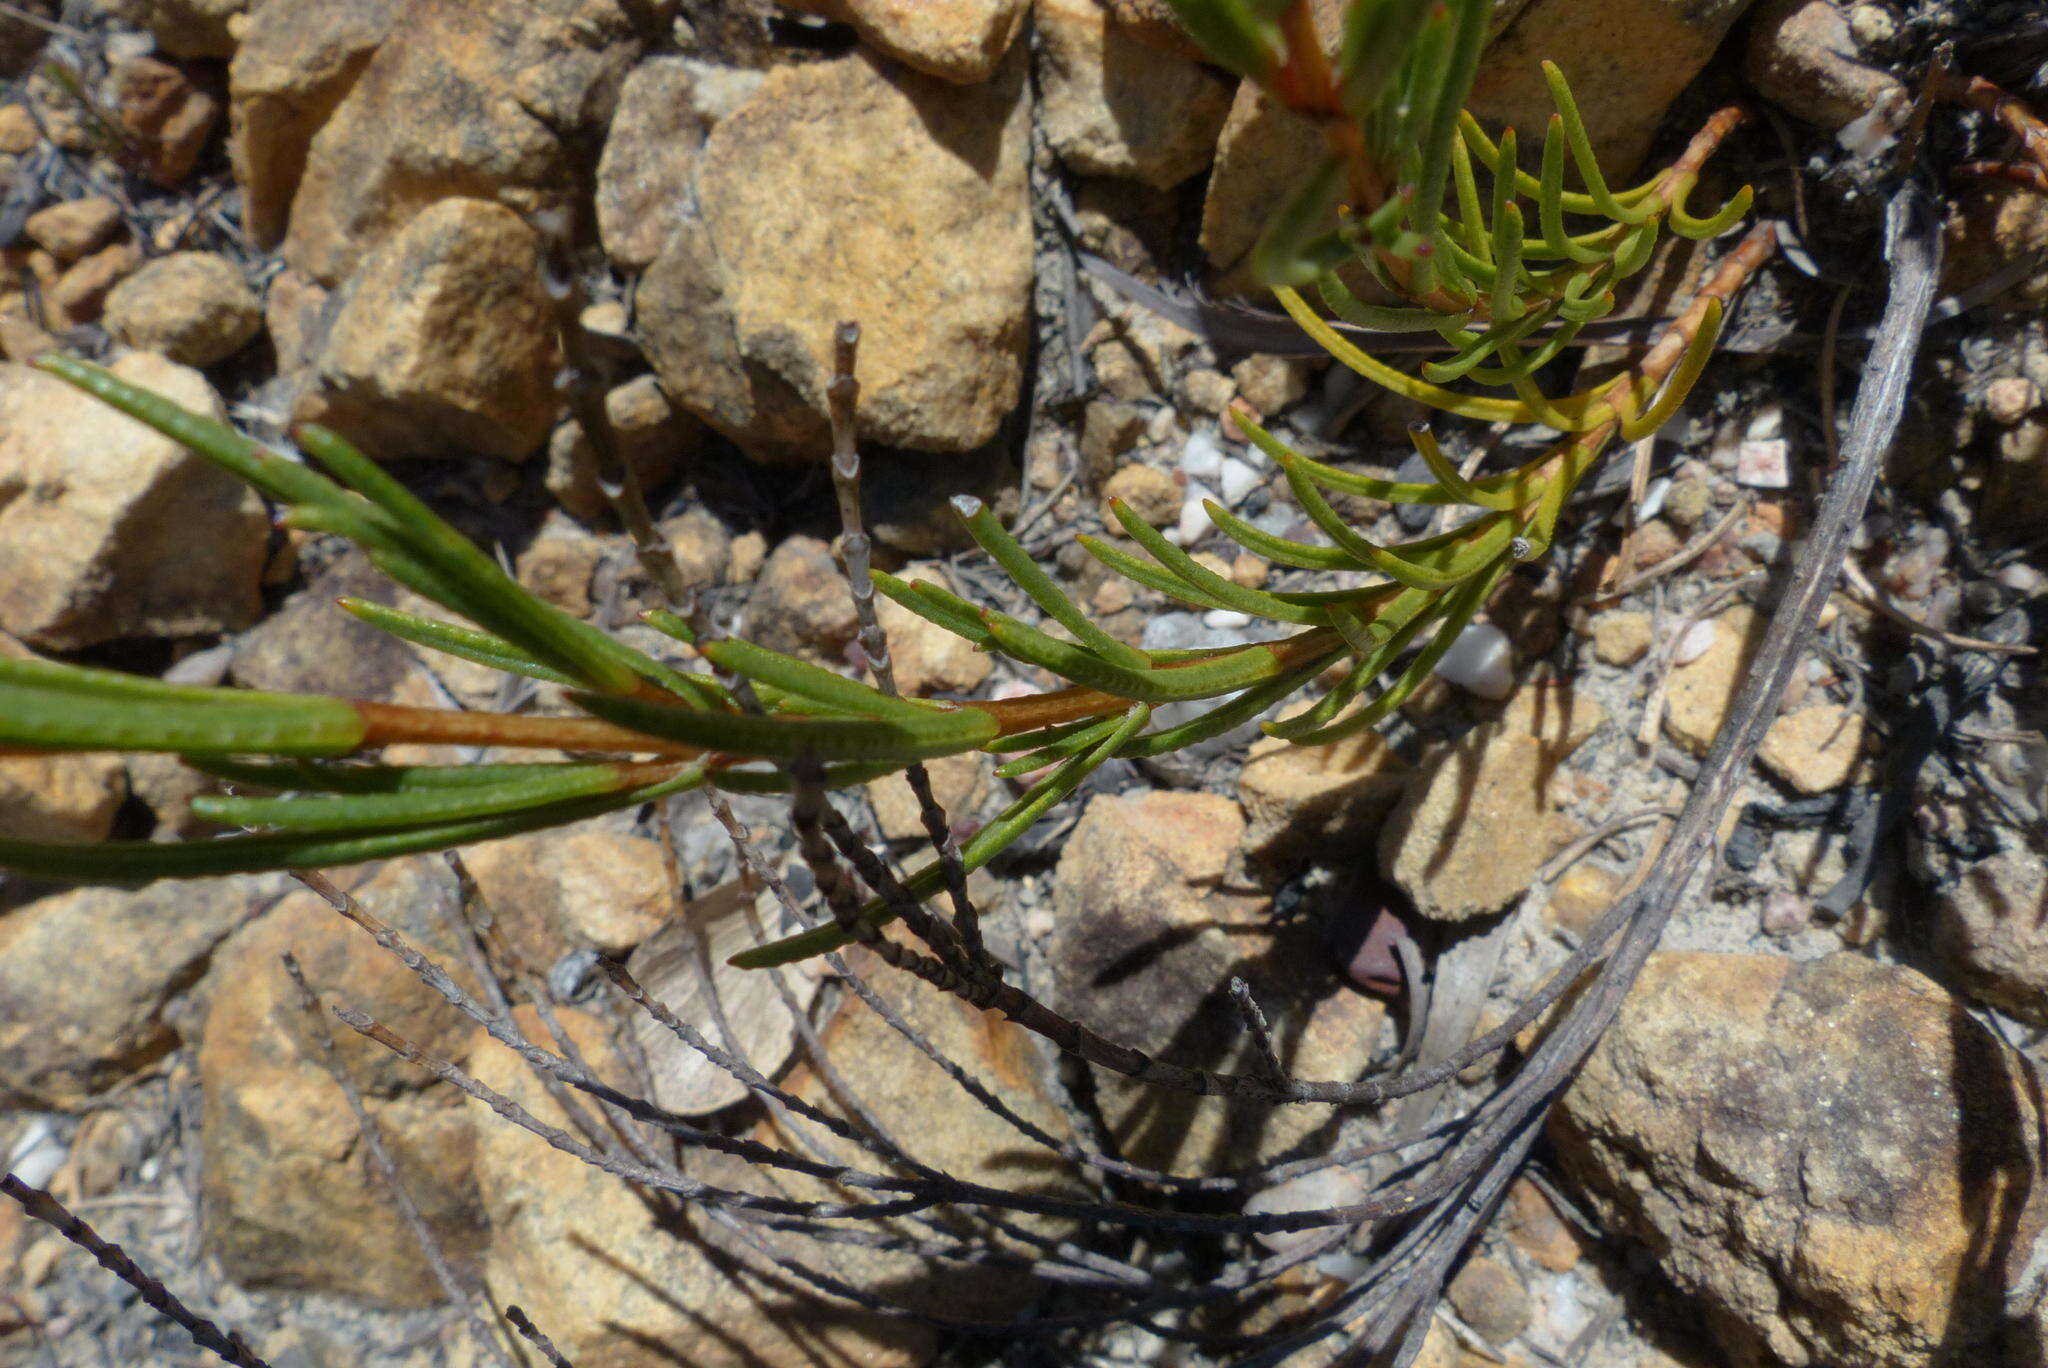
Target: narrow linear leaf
1016 562
419 807
64 707
139 862
813 682
788 738
465 643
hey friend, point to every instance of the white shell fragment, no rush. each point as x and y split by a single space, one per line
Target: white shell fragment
1480 662
37 1154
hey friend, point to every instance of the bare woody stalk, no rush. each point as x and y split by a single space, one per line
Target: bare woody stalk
226 1345
843 395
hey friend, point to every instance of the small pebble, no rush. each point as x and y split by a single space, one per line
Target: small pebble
1763 461
1317 1190
1480 662
1621 637
1697 641
1236 479
1785 913
2011 399
1202 457
1194 519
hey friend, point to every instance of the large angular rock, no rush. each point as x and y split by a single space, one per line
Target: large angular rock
85 978
666 109
1831 1156
487 99
1153 921
60 797
291 1199
957 40
1299 800
1627 60
852 189
297 61
107 529
1264 153
1114 106
443 342
1478 821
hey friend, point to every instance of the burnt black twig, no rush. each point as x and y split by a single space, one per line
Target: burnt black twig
223 1344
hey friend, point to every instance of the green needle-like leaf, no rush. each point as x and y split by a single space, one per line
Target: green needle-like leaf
139 862
814 682
1227 593
380 811
789 738
1201 679
935 606
464 642
1016 562
66 707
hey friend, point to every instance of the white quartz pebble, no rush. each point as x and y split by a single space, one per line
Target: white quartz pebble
1480 661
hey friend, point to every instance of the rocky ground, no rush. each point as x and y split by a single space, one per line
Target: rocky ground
1813 1138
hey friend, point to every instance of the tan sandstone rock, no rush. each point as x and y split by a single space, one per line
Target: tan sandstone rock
1700 691
1113 106
1802 55
929 659
960 783
86 976
1991 926
443 343
60 797
556 891
290 1197
1479 819
956 40
617 1286
1153 921
852 189
1302 799
1601 46
1832 1157
666 109
297 61
484 99
1814 749
194 307
102 519
800 602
